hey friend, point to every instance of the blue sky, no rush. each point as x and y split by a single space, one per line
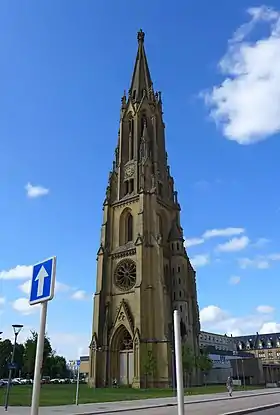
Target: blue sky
64 67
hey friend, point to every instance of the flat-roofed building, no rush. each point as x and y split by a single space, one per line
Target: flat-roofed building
219 341
84 366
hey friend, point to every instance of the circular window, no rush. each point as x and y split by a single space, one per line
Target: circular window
125 275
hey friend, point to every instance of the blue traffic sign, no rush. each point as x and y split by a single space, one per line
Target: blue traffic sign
78 363
12 366
43 281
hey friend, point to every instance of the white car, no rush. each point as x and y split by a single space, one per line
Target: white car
16 381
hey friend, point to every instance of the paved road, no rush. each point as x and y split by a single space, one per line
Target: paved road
211 408
200 405
274 411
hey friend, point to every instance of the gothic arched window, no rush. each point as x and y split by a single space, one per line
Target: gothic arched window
143 122
129 228
131 141
125 227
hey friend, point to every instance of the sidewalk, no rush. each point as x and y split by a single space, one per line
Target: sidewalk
125 406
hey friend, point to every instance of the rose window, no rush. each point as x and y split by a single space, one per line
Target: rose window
125 275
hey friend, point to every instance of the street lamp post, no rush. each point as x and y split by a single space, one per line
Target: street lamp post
17 328
243 373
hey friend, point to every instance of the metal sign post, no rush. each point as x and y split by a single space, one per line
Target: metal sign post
42 291
178 359
78 382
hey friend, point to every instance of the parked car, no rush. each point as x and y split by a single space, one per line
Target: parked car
16 381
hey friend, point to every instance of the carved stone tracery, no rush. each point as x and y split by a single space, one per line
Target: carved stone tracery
125 274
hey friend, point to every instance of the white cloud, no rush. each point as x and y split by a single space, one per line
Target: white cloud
22 306
193 241
17 273
270 327
247 103
222 232
213 233
274 257
35 191
265 309
200 260
59 287
253 263
212 314
260 242
217 320
2 300
234 280
259 262
79 295
70 345
235 244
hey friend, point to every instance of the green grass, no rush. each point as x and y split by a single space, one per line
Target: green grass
52 395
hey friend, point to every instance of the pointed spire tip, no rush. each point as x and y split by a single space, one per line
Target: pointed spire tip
140 36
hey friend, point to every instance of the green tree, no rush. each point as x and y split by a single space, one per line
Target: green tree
19 358
56 367
204 363
188 362
6 349
149 365
30 354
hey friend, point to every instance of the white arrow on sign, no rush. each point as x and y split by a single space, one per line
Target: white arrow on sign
42 274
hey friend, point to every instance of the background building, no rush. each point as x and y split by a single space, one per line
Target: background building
218 341
265 347
228 361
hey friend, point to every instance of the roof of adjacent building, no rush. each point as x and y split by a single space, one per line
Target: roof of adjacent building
259 341
215 334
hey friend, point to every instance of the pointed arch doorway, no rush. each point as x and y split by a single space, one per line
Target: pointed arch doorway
123 367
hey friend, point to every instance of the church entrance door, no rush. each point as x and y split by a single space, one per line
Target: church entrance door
126 358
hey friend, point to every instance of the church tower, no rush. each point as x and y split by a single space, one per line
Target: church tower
143 270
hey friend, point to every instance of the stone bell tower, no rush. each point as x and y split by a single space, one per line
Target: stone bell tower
143 270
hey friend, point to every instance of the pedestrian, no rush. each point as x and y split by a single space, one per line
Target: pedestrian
229 385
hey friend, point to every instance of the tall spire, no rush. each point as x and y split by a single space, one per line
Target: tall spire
141 78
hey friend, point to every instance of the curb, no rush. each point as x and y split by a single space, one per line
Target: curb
256 409
166 405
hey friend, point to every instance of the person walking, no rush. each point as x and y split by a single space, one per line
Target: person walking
229 385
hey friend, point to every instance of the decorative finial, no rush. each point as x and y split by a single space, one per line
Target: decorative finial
140 36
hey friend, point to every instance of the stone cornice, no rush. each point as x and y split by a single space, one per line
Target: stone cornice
125 202
123 254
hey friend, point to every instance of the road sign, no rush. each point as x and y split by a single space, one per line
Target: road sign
43 281
12 366
78 363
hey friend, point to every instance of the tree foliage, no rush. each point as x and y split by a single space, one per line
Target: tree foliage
25 354
149 365
188 359
6 349
30 353
188 362
204 363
